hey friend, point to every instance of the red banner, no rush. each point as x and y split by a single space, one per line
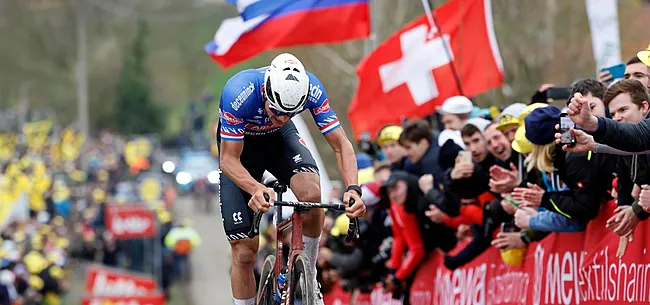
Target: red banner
565 268
338 296
151 299
104 281
130 221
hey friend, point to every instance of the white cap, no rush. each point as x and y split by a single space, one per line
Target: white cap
514 110
456 105
480 123
449 134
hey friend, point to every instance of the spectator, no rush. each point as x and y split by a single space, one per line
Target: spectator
421 149
572 189
455 111
628 102
388 143
508 120
634 69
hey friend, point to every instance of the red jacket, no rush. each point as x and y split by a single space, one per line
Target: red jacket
406 236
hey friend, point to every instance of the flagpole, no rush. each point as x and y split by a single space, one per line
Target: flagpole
371 42
459 86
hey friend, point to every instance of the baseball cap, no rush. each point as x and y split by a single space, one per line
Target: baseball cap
521 144
540 125
526 111
456 105
389 133
510 116
480 123
395 177
644 56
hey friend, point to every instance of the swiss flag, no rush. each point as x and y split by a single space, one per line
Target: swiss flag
411 73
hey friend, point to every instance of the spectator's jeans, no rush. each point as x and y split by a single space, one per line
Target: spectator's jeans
180 263
553 222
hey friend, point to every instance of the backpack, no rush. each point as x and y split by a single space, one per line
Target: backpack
183 247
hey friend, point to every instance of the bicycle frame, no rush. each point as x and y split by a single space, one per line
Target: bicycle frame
294 223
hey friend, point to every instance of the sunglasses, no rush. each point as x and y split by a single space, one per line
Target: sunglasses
280 113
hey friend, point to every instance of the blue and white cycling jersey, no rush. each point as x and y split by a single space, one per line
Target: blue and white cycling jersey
242 112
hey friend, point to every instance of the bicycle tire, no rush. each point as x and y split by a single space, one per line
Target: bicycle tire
302 281
265 297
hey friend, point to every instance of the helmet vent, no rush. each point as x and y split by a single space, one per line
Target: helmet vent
269 92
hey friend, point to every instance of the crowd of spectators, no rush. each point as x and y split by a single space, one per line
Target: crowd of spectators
483 178
52 218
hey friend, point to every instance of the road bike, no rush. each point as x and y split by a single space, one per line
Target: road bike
299 280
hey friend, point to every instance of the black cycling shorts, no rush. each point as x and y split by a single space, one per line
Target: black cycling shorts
282 153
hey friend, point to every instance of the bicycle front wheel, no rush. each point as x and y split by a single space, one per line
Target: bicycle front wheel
265 289
302 282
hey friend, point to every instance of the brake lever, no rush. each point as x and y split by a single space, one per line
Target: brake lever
255 228
353 229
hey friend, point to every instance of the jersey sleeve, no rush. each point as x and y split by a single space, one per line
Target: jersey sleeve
319 106
231 110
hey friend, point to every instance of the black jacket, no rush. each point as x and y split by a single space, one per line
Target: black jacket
589 177
433 235
623 136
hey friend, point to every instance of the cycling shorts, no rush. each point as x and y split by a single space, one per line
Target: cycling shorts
283 153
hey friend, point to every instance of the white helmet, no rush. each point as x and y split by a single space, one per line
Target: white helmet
286 84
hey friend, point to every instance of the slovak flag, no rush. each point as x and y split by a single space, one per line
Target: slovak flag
411 73
268 24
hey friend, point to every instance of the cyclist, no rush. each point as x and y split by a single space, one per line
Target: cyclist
255 134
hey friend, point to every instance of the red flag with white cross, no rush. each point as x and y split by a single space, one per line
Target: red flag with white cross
411 73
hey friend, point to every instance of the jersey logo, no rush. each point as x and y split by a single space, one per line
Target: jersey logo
315 93
231 119
291 77
243 96
323 108
265 127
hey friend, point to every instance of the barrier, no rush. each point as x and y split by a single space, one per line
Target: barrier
564 268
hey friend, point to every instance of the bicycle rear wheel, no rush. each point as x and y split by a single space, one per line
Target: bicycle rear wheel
265 290
302 282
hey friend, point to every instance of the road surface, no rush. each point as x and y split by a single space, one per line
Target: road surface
211 261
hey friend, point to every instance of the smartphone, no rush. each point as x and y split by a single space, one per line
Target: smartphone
508 227
617 71
465 156
558 93
565 125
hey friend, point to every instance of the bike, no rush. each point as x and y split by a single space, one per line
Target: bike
299 279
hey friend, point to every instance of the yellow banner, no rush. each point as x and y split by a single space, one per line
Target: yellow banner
36 134
7 146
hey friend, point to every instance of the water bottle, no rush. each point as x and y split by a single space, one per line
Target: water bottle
279 292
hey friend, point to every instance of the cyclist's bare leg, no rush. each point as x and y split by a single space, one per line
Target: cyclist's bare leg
244 254
306 187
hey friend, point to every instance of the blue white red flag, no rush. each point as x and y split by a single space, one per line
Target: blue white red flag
268 24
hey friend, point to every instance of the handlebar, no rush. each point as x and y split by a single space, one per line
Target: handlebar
353 229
